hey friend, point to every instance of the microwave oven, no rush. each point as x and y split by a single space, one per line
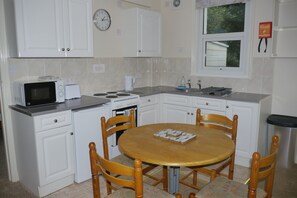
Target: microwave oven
38 92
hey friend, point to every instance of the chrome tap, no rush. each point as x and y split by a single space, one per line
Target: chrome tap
189 83
199 85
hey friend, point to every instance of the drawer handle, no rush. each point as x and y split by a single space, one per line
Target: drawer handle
206 103
192 113
71 133
55 120
227 106
149 100
188 113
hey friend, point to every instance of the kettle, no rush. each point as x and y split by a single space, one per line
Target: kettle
129 83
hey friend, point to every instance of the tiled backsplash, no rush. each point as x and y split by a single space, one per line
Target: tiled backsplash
148 72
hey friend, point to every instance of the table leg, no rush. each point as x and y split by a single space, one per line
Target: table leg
173 179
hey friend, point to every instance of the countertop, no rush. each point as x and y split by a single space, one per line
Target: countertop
89 101
234 96
74 104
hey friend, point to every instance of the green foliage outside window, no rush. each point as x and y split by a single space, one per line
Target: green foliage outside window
227 19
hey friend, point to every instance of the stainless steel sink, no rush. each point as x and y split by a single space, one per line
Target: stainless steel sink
216 91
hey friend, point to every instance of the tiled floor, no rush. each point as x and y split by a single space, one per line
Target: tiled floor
285 185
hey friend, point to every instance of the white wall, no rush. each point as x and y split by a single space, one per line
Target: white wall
285 87
177 28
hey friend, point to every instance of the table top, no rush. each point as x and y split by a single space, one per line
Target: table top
209 146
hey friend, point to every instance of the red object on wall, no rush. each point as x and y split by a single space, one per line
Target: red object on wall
265 30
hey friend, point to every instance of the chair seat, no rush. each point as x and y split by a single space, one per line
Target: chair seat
221 187
148 191
127 161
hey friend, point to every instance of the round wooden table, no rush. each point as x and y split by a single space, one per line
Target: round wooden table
209 146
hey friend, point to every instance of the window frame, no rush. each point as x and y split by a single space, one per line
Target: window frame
198 62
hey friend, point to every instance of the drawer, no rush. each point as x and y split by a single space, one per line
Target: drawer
51 121
149 100
209 103
177 100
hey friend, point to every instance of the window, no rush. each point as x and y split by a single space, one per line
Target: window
222 48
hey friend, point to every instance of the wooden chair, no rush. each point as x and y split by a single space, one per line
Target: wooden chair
122 123
225 125
132 181
261 169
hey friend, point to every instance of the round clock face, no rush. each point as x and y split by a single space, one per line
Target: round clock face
102 19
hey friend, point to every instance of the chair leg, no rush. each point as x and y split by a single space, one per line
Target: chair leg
213 175
165 178
231 170
195 175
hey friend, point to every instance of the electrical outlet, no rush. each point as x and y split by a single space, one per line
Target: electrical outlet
98 68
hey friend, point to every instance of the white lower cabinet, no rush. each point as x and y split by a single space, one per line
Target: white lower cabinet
178 114
249 129
44 151
209 105
177 109
54 154
149 110
252 127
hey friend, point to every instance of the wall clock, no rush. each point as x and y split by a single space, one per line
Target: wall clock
102 19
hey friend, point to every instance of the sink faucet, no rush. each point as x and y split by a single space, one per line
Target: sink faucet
199 84
189 83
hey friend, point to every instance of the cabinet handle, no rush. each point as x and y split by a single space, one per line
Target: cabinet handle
149 100
227 106
192 113
139 51
206 103
55 120
71 133
63 49
68 49
188 113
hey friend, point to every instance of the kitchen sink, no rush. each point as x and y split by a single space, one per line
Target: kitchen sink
215 91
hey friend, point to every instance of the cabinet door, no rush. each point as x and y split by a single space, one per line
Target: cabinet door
247 130
87 128
54 154
78 28
141 33
39 27
178 114
148 115
149 31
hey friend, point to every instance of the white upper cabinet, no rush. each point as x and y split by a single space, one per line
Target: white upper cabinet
285 29
54 28
142 33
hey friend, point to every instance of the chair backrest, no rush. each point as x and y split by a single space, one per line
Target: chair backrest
263 168
110 170
218 122
113 125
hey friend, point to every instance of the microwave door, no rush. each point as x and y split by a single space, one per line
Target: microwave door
40 93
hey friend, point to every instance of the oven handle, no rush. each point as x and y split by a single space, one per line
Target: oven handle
120 113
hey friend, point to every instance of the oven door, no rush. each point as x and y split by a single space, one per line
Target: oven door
114 150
